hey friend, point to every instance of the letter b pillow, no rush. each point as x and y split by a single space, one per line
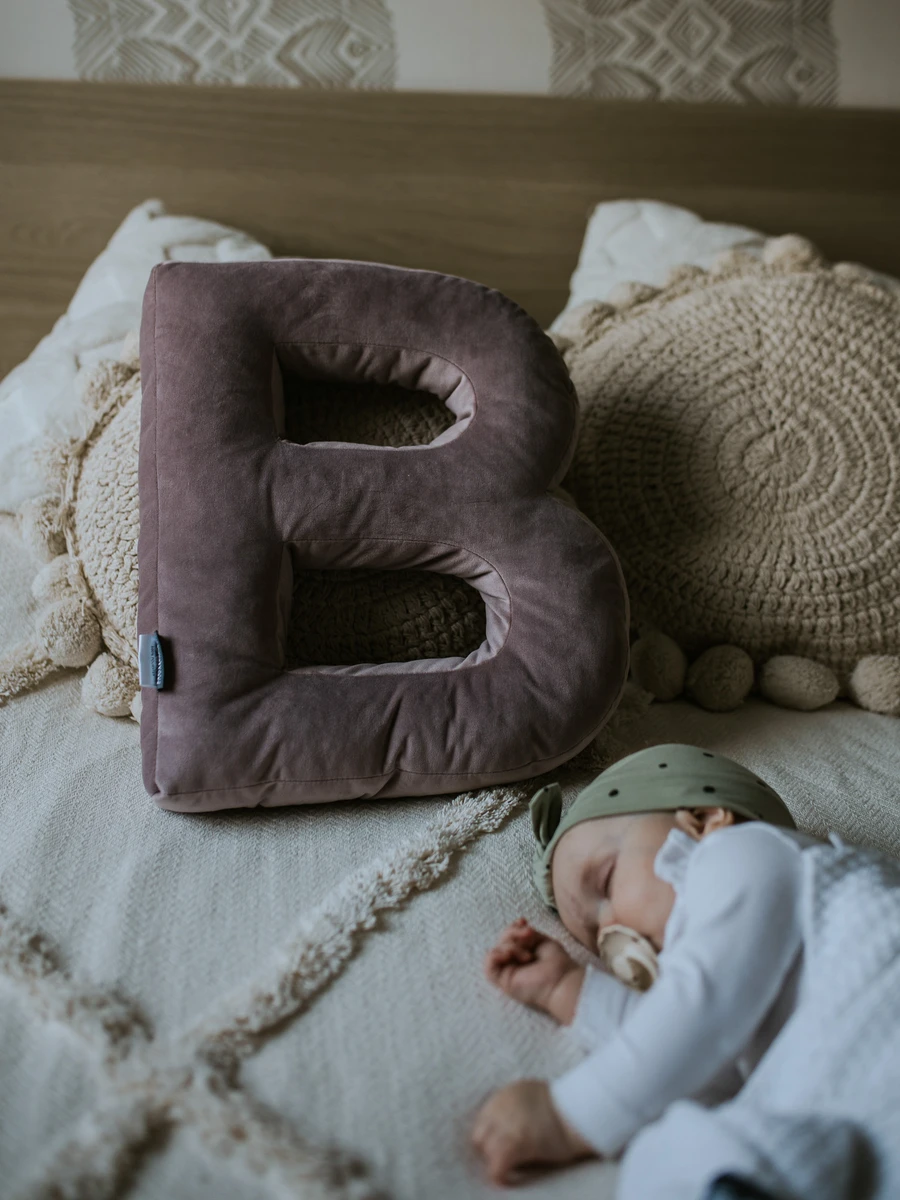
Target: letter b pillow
232 514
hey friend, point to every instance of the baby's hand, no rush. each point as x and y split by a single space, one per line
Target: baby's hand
535 970
519 1126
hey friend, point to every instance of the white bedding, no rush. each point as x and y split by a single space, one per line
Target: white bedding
180 915
37 397
640 240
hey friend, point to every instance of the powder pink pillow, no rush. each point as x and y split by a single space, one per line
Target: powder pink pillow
231 512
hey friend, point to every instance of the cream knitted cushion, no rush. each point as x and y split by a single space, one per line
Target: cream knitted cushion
86 527
740 447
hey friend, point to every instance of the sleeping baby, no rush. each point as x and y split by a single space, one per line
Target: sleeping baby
742 1033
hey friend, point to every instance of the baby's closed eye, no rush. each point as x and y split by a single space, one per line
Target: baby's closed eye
595 877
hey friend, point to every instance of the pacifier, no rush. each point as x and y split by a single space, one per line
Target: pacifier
629 956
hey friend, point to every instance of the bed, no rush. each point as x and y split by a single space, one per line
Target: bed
291 1002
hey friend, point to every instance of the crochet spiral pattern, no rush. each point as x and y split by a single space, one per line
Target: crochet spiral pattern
740 449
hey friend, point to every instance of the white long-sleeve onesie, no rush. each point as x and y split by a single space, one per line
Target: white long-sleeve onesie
729 969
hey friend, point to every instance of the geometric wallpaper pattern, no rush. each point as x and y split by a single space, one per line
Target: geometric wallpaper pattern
288 43
738 51
768 51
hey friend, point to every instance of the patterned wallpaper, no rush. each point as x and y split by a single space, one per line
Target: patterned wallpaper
283 43
738 51
703 50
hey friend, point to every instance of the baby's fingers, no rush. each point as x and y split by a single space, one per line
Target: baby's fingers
498 968
523 933
507 953
502 1154
495 962
515 952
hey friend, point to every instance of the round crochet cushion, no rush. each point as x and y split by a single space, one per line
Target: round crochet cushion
740 449
104 523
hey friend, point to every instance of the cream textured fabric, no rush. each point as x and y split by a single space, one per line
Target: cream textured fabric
739 448
193 921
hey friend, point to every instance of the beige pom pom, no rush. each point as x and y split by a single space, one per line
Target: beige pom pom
852 270
731 261
631 292
791 252
69 633
58 580
720 678
875 684
136 706
38 522
658 665
795 682
108 687
54 460
130 354
23 669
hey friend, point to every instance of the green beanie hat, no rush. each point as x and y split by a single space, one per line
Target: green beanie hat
662 778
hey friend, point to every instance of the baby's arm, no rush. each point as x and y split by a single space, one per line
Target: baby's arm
740 938
604 1003
535 970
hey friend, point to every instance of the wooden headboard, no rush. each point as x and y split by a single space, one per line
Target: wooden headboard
496 188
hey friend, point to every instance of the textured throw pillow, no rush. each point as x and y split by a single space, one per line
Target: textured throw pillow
233 514
38 397
740 447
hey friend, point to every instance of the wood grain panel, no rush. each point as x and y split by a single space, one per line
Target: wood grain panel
493 187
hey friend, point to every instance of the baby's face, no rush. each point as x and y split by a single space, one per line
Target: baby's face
602 874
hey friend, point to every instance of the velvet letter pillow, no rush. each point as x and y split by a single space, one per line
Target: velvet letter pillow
232 514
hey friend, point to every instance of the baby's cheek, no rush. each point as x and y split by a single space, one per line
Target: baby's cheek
626 906
606 914
637 904
658 908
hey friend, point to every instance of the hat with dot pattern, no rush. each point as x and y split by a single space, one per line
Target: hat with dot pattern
662 778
